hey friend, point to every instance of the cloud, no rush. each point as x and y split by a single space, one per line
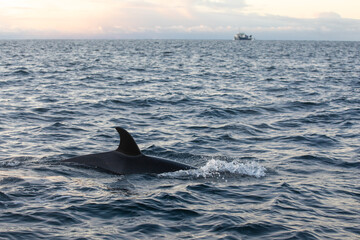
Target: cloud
219 19
329 15
65 16
219 6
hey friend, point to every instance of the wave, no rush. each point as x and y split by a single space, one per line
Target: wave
13 162
218 168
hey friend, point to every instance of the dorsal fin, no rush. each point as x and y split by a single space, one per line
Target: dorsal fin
127 144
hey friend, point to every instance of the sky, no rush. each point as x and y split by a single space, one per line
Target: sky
180 19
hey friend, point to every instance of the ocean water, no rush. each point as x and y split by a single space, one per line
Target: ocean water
273 128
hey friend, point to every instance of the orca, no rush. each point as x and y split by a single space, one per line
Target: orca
128 159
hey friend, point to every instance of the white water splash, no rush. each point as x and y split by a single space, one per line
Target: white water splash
215 168
9 164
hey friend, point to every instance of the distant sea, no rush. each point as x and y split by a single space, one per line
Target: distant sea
273 128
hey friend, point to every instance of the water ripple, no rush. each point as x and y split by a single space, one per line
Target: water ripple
272 127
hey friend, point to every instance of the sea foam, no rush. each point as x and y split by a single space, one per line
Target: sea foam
217 168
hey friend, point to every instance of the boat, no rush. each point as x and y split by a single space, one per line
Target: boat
243 36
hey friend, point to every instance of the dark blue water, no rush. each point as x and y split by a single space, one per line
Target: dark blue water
273 127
